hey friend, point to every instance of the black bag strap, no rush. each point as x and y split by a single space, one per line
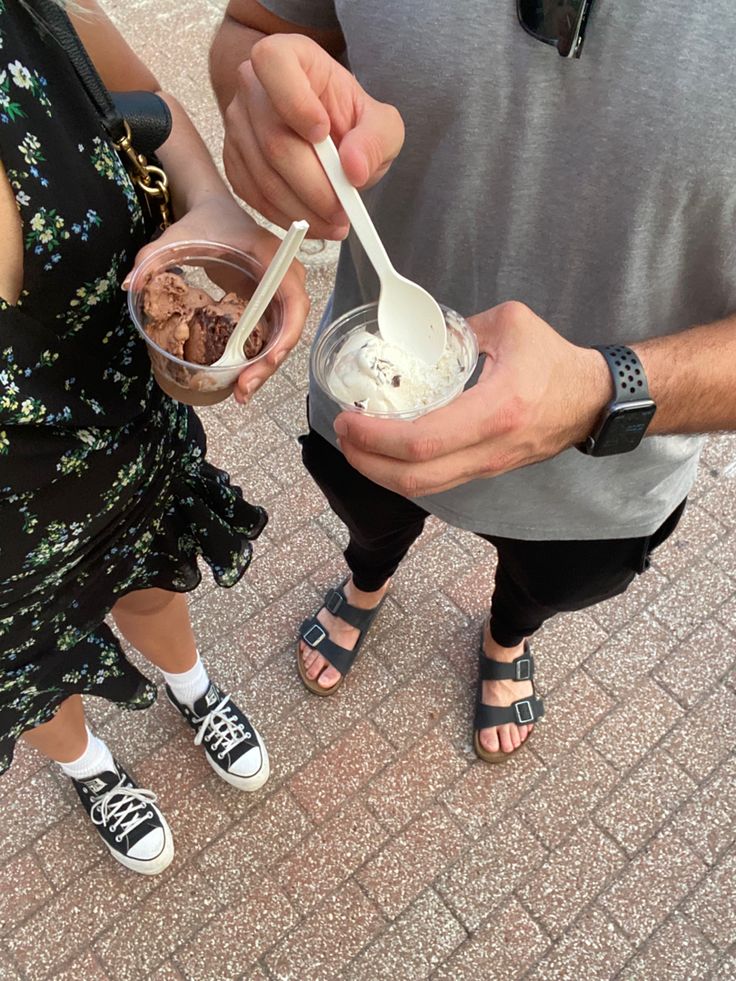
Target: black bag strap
150 179
62 29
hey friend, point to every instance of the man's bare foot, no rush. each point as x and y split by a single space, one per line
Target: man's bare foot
507 737
339 632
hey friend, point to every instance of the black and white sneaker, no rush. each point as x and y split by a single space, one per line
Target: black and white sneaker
128 821
233 748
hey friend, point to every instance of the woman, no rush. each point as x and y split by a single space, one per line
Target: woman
106 498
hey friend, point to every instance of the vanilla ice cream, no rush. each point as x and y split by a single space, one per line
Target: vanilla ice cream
378 377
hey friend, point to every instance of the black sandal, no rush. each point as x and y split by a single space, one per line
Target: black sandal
315 636
522 712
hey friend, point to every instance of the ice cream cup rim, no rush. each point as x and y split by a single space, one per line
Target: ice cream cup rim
191 365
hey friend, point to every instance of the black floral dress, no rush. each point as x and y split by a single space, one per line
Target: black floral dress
104 486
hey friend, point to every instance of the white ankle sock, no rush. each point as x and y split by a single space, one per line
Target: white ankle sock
189 685
96 758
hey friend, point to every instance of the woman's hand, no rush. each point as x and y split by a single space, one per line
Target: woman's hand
219 218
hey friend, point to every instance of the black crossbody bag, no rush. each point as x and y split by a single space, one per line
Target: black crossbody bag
137 123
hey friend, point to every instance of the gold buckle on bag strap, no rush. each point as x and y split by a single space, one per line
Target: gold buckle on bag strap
149 178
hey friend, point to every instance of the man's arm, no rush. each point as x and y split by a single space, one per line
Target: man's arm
245 23
537 396
692 378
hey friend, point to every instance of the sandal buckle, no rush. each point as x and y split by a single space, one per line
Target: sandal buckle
333 601
520 710
308 637
523 669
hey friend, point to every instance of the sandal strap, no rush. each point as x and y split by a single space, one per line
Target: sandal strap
522 712
314 634
335 602
520 669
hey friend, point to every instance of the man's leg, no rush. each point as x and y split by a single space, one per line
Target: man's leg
382 527
537 579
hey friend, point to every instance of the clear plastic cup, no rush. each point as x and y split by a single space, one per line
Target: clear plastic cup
462 347
218 269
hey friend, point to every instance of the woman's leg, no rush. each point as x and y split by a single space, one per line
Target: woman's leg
64 738
156 622
125 817
382 527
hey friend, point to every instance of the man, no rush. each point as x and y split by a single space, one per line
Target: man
601 191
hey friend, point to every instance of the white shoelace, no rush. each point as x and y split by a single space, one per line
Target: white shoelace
124 812
226 731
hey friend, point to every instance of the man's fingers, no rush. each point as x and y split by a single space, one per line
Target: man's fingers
281 162
239 175
463 423
314 95
278 176
420 479
273 168
368 149
294 71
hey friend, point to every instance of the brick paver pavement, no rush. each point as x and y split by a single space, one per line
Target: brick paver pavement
381 848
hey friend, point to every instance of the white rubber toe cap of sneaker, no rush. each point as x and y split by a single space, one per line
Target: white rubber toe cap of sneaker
149 847
248 764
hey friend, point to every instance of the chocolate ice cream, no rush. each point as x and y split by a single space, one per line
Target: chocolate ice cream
189 323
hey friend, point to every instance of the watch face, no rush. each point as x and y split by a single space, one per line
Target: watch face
624 428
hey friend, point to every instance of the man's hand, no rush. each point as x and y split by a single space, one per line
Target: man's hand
292 93
537 395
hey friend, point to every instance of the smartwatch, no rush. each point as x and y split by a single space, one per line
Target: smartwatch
624 421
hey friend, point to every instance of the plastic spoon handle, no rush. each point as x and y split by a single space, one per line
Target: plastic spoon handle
354 207
265 290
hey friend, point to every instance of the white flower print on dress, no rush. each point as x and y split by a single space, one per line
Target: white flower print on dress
20 75
9 110
30 147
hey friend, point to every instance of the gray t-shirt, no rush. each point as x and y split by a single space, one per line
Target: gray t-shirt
599 191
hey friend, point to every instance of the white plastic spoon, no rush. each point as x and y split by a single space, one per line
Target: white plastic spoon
264 293
407 315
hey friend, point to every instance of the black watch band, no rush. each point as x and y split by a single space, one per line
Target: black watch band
625 419
627 372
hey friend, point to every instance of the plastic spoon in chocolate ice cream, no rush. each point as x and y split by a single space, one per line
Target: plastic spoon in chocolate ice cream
407 315
264 293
